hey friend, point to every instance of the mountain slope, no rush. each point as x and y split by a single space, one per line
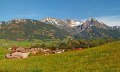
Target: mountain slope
94 29
27 29
91 28
52 28
66 24
94 32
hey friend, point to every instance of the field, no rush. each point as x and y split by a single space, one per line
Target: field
104 58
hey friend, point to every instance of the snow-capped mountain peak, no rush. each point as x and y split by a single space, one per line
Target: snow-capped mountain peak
50 20
65 22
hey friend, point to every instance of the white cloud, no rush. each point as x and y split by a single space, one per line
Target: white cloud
110 20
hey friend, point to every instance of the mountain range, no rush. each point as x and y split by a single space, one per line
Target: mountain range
53 28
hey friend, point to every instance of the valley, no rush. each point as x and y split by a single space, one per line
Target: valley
54 45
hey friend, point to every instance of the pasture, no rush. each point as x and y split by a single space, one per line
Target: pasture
105 58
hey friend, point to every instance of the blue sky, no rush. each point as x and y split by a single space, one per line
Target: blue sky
107 11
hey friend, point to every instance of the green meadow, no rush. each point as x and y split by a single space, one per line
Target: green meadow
105 58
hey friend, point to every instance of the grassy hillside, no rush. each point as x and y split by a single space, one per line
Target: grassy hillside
104 58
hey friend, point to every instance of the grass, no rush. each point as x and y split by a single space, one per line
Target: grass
7 43
104 58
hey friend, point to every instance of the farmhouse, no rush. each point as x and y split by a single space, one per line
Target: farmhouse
17 55
20 52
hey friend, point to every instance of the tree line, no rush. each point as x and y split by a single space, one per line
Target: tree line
70 43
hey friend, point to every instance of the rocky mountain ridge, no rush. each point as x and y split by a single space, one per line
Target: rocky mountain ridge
57 28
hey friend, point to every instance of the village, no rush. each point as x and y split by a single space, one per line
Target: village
20 52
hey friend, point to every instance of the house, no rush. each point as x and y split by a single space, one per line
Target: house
20 52
17 55
58 51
